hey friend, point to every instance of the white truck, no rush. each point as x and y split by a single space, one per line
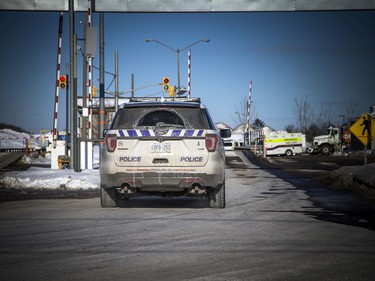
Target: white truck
326 144
229 143
284 143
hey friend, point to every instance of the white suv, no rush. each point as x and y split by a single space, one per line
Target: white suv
163 147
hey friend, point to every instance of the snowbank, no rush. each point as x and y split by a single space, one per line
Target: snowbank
45 178
357 179
13 139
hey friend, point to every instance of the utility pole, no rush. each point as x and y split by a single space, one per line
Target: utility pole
74 109
133 85
101 78
67 111
116 80
73 88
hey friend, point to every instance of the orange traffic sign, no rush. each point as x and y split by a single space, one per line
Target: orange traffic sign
364 128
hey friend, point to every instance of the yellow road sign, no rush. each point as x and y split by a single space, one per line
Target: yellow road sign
364 128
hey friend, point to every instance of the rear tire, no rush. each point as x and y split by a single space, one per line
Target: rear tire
216 197
108 197
288 152
325 149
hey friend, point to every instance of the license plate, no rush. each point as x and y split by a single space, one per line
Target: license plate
161 147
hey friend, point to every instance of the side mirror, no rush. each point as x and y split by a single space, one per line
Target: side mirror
225 133
105 132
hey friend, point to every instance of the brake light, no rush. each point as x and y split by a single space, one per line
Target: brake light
111 142
211 142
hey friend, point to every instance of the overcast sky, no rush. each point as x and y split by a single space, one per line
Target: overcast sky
326 57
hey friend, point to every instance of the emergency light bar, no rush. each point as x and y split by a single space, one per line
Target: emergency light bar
162 99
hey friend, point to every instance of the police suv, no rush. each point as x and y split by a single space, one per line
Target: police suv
164 147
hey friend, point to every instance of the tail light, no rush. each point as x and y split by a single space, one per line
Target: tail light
211 142
111 142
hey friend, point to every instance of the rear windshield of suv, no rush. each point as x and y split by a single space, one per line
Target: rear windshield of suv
154 117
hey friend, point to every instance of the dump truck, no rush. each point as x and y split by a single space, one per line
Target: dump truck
327 144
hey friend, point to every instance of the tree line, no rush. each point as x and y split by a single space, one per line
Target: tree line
307 120
12 127
313 123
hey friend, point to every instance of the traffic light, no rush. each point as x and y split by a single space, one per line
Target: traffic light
62 82
93 91
165 83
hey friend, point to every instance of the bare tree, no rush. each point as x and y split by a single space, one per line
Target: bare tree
351 107
303 113
291 128
313 125
241 112
313 130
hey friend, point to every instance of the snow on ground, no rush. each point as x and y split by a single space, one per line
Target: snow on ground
45 178
361 174
13 139
357 179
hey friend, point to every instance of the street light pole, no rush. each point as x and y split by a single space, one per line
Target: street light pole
178 70
178 51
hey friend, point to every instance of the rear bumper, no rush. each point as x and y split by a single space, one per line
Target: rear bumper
161 181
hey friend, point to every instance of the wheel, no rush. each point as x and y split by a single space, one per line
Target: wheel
108 197
216 197
325 149
288 152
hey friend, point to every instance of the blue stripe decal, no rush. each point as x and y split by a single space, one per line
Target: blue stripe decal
189 133
150 133
132 133
176 133
145 133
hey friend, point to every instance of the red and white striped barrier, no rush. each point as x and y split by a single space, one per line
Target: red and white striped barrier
57 91
189 77
90 85
87 154
248 108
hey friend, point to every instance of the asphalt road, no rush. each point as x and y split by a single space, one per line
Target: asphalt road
7 158
272 229
308 173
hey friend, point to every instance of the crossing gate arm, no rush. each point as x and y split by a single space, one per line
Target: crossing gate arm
205 6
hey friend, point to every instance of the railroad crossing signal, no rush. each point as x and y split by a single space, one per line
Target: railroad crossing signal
62 82
165 83
364 128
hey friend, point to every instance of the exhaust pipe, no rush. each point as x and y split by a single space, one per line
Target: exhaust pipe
196 188
126 188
